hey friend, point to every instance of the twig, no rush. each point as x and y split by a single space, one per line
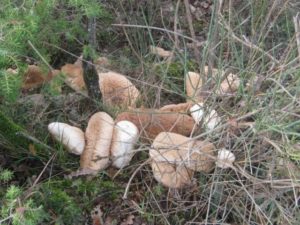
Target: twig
40 175
297 32
68 52
40 55
7 218
157 204
132 176
31 138
285 90
191 28
176 40
132 48
160 29
225 124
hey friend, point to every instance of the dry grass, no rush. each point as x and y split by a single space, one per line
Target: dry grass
257 41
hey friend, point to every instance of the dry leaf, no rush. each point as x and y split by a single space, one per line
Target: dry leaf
96 215
102 61
32 149
81 172
129 220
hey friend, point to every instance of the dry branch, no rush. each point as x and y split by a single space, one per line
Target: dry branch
297 32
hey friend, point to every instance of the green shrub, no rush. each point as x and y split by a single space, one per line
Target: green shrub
20 212
48 25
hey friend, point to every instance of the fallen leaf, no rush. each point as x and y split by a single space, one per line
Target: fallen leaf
102 61
96 215
32 149
129 220
205 5
81 172
236 126
109 221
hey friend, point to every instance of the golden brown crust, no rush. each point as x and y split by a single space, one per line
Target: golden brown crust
74 73
229 85
160 52
193 85
34 77
125 136
98 136
180 150
117 90
170 175
203 159
179 108
151 122
170 147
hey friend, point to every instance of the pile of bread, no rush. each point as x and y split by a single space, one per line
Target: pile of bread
175 155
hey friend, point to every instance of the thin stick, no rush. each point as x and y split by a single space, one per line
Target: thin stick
157 204
40 175
7 218
40 55
191 28
160 29
31 138
297 32
176 40
132 176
